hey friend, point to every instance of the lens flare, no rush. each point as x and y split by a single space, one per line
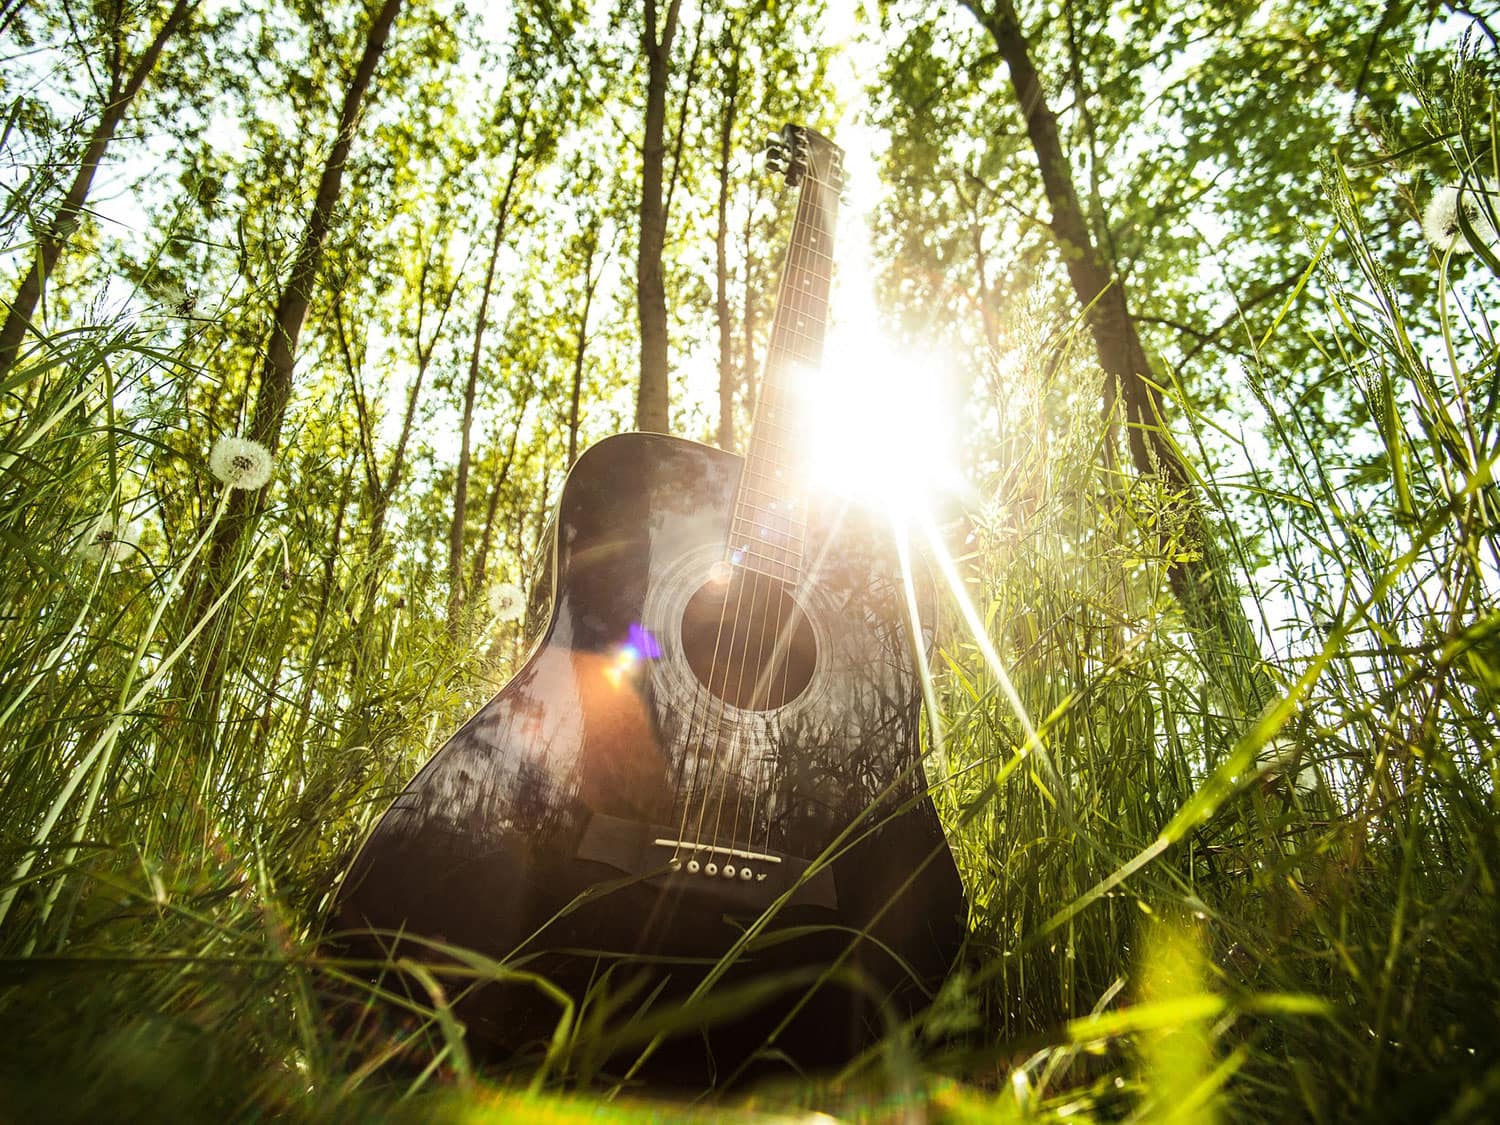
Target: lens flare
880 423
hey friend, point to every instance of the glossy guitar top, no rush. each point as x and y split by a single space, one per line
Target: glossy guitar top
689 748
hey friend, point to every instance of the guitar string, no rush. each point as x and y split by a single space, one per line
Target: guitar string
790 308
803 586
804 591
760 690
759 586
781 648
791 519
762 584
758 439
708 707
782 631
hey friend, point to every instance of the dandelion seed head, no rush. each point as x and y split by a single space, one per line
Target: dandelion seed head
175 300
240 463
507 601
105 540
1440 220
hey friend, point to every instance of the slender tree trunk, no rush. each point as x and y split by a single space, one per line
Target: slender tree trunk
487 538
727 380
590 283
1203 586
456 592
18 319
747 320
689 80
651 296
274 390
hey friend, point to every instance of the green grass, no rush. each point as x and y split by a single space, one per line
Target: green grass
1183 910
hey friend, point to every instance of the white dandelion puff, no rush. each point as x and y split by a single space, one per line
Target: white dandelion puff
109 541
507 601
1440 219
240 463
174 300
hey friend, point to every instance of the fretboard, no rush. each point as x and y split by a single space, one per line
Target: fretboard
770 511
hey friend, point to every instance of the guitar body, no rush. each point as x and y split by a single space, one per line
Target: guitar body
636 797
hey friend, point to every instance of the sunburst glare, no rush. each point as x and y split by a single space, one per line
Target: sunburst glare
880 416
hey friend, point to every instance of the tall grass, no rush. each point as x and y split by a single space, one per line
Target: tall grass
1329 864
1180 908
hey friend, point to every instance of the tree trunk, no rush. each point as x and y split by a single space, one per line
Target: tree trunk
748 317
274 391
456 592
590 283
487 538
727 379
51 240
651 296
1202 586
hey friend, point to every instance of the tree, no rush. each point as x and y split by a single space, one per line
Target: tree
656 45
523 152
126 78
1120 227
274 389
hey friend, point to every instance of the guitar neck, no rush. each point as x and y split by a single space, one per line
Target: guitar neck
766 534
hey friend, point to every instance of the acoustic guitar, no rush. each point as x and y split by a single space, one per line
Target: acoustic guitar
699 807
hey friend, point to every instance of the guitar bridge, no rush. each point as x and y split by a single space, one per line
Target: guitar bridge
753 877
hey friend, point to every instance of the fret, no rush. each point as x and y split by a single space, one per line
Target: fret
812 250
770 520
789 546
751 547
747 559
767 493
782 538
774 482
770 425
776 507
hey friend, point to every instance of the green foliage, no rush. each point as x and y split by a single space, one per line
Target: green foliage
1181 909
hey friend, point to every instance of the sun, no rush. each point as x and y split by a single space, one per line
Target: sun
879 418
879 428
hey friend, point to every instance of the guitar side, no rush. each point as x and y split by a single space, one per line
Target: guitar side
606 748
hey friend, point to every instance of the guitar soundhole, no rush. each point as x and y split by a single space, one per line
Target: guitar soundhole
748 642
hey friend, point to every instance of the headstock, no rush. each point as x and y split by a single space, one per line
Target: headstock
799 153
